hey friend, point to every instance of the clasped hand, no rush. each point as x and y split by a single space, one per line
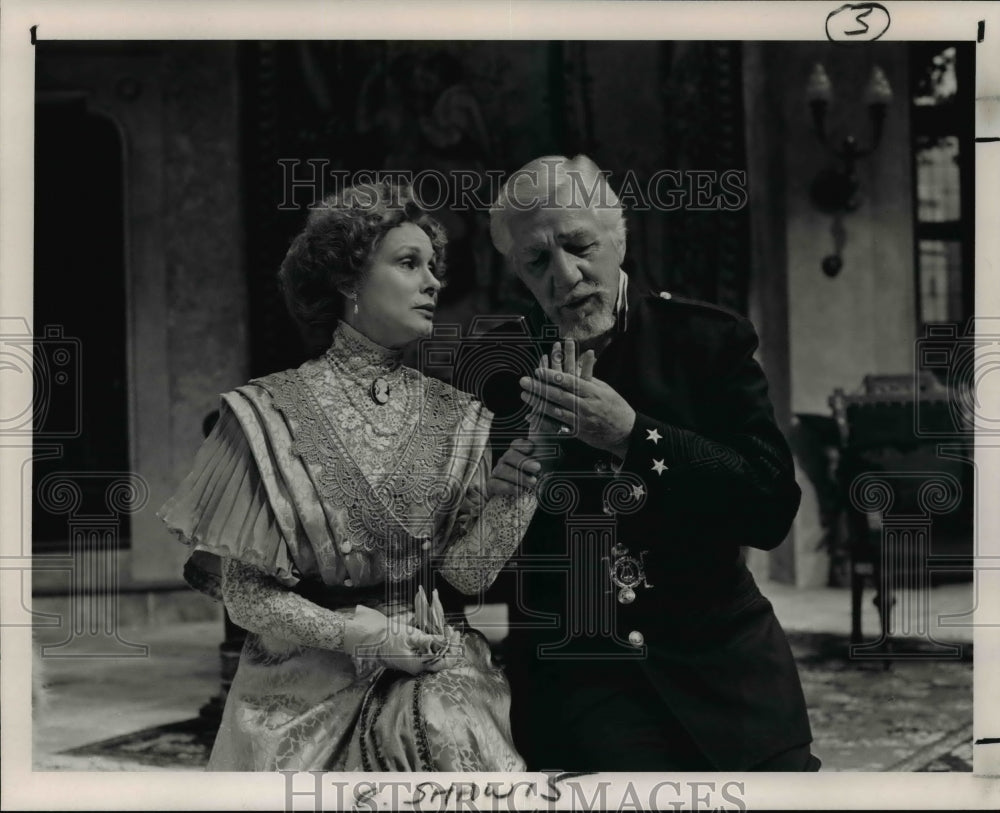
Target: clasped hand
566 401
413 643
566 392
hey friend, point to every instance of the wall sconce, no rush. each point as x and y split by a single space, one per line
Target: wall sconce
836 190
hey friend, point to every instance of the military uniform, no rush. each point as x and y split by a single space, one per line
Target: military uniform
635 624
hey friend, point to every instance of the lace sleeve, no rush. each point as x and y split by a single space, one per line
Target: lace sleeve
487 533
259 603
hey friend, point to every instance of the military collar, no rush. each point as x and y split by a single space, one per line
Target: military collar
622 305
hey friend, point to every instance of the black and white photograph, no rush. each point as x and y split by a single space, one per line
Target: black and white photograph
550 405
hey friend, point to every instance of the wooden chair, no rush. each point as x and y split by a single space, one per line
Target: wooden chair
906 484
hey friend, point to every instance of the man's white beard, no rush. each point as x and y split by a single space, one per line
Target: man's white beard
591 327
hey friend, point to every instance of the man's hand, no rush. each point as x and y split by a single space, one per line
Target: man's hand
594 411
515 470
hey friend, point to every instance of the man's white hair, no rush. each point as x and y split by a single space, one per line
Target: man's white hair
555 180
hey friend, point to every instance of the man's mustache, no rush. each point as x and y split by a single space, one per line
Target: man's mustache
577 295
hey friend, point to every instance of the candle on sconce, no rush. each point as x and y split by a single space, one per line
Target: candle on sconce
878 91
819 88
837 190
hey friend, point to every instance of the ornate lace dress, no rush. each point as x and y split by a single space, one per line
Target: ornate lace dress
308 499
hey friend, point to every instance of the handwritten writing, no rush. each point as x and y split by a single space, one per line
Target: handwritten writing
857 22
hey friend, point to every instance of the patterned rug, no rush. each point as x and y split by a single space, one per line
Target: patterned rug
185 746
915 715
873 715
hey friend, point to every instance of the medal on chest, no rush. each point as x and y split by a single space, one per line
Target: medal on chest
627 573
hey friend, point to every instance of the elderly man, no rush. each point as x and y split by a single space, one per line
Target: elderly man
639 640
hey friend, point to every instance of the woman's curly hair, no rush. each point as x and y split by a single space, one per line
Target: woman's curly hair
333 252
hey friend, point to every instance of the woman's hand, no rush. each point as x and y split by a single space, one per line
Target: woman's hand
374 640
515 471
429 617
564 359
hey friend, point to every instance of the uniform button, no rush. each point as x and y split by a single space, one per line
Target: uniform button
636 638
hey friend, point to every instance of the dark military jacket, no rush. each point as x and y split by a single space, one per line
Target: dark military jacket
640 560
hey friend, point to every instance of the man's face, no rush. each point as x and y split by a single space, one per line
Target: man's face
569 260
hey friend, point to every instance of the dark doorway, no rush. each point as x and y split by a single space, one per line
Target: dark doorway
79 312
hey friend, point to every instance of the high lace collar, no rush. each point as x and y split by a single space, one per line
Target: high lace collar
357 352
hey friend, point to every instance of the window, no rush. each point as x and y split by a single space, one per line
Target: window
943 149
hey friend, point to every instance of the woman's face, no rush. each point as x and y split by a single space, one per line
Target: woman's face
398 293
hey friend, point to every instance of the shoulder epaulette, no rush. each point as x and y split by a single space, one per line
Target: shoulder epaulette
708 307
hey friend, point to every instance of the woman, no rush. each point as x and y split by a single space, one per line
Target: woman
322 499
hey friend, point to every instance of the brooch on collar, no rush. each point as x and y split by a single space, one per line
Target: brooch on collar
379 391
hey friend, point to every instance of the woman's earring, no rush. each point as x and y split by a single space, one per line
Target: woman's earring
355 298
